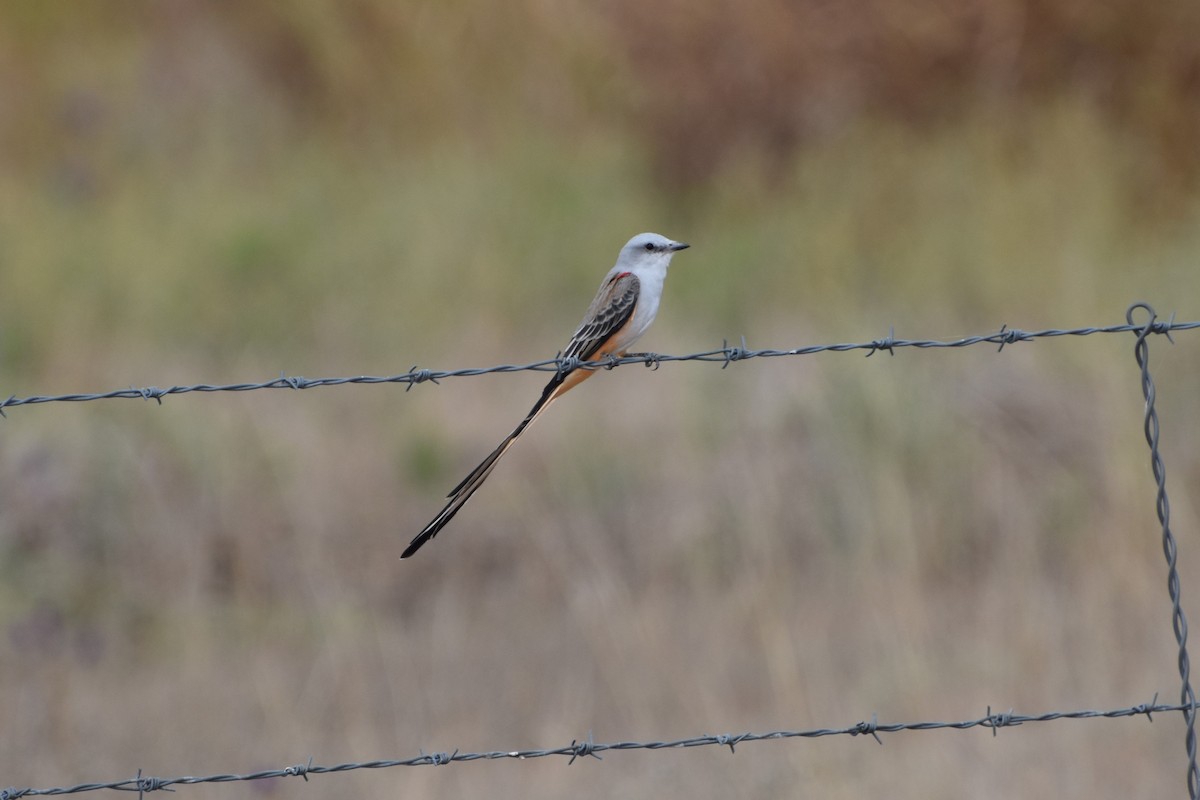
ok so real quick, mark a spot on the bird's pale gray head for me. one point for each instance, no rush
(649, 248)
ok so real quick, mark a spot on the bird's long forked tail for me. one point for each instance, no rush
(460, 494)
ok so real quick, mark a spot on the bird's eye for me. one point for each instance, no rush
(650, 247)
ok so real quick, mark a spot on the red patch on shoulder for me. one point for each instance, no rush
(621, 275)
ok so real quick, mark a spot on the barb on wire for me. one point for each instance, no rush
(1141, 352)
(588, 747)
(725, 355)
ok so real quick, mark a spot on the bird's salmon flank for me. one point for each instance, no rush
(623, 309)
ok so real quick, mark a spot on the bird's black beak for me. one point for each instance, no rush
(677, 246)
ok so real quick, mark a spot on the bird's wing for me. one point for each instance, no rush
(608, 313)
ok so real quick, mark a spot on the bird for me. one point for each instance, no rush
(622, 310)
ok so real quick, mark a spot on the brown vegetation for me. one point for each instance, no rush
(214, 192)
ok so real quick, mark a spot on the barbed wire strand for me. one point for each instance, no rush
(1141, 352)
(725, 355)
(587, 747)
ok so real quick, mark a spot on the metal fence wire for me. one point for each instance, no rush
(725, 356)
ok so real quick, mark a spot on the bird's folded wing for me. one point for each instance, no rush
(608, 313)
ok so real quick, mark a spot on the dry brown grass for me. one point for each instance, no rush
(776, 545)
(214, 586)
(771, 75)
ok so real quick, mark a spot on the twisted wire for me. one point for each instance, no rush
(1141, 352)
(724, 355)
(586, 748)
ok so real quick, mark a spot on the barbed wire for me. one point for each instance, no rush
(588, 747)
(728, 355)
(1141, 352)
(725, 355)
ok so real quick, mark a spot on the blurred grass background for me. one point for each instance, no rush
(202, 192)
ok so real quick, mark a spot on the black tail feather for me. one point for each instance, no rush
(460, 494)
(459, 497)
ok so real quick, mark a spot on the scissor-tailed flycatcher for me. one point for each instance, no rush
(623, 309)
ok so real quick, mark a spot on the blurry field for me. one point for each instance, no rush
(190, 194)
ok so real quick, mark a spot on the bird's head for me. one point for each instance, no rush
(649, 249)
